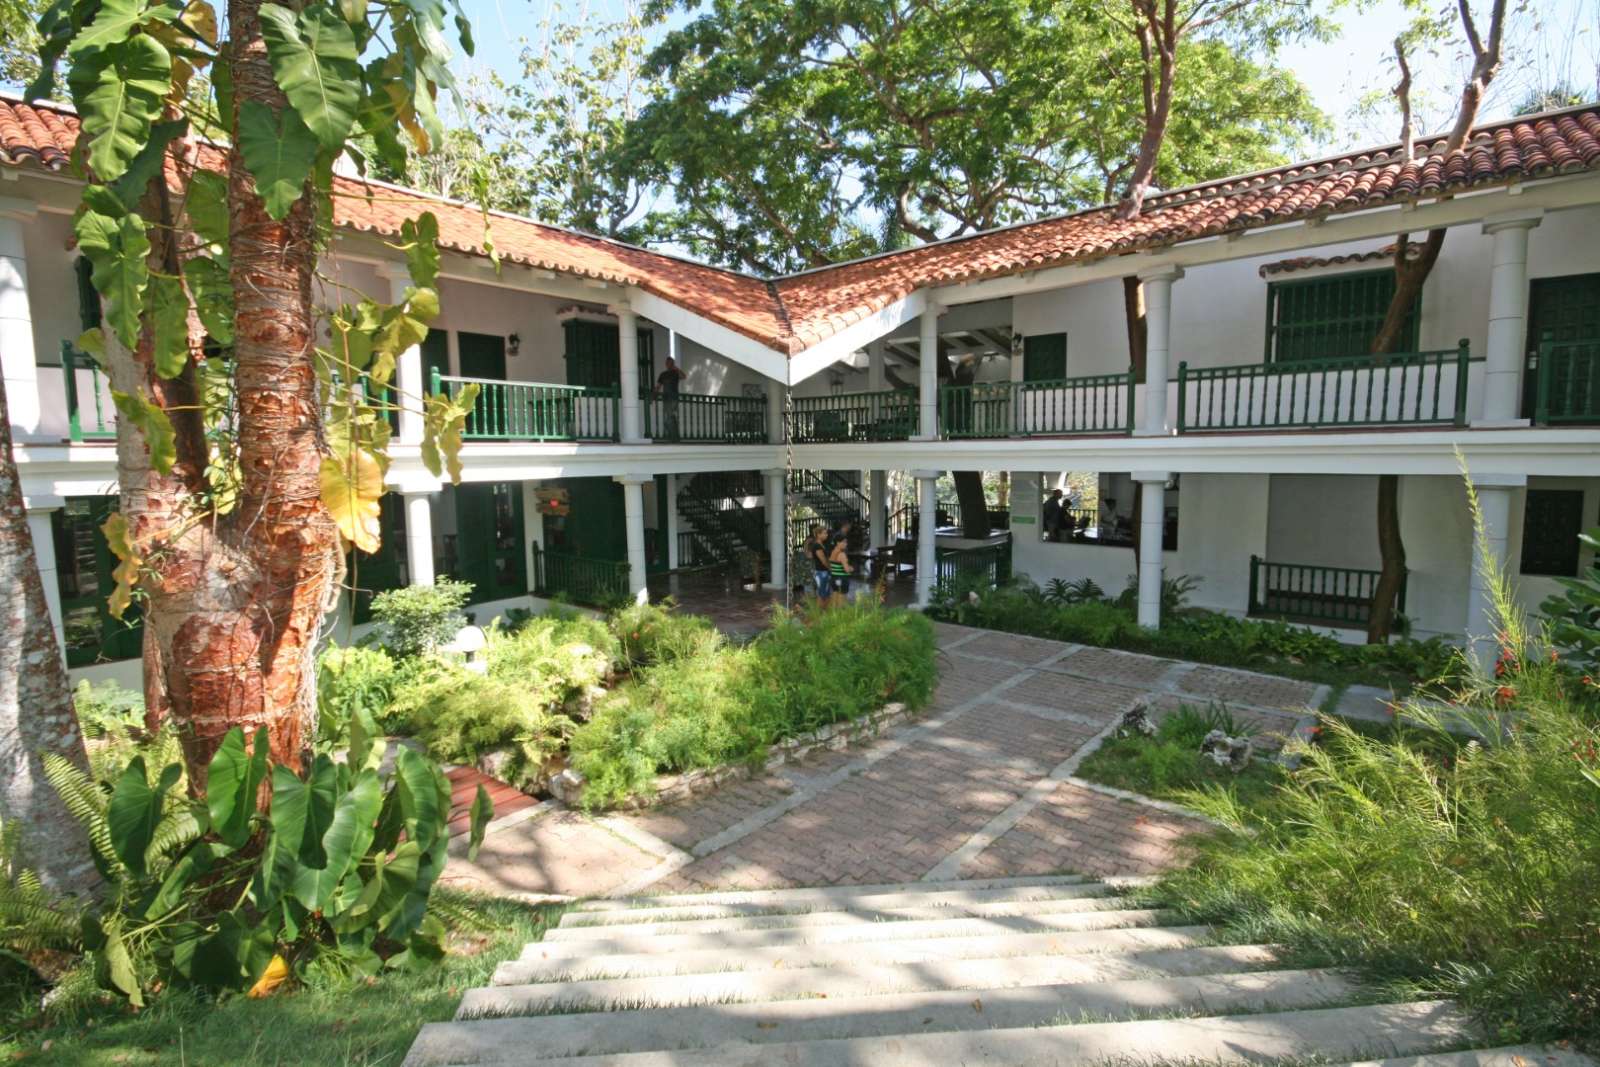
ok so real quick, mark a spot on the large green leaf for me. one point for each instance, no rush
(116, 246)
(416, 782)
(232, 782)
(132, 814)
(443, 420)
(482, 812)
(291, 801)
(168, 308)
(345, 842)
(190, 868)
(420, 240)
(147, 164)
(119, 90)
(151, 420)
(213, 296)
(314, 60)
(322, 786)
(115, 21)
(278, 152)
(207, 206)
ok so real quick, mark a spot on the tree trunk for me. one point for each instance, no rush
(974, 504)
(1392, 549)
(36, 711)
(235, 600)
(1138, 331)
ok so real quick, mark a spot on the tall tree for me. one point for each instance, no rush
(1413, 262)
(36, 711)
(246, 463)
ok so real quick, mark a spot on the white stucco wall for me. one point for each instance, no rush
(1326, 520)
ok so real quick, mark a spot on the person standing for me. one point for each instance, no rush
(667, 389)
(816, 548)
(839, 567)
(1052, 516)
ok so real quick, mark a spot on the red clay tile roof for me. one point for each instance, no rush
(793, 313)
(1294, 263)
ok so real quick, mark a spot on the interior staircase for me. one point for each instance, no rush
(712, 507)
(831, 500)
(1036, 971)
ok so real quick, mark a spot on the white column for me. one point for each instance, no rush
(1157, 347)
(419, 538)
(927, 555)
(775, 412)
(1490, 559)
(1018, 366)
(928, 375)
(777, 496)
(633, 515)
(20, 367)
(628, 375)
(1152, 524)
(875, 377)
(44, 554)
(878, 508)
(672, 522)
(1508, 320)
(410, 385)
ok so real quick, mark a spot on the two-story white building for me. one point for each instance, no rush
(1253, 440)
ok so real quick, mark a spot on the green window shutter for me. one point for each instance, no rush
(1565, 308)
(1333, 317)
(1044, 357)
(1551, 522)
(593, 354)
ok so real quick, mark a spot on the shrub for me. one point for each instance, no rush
(656, 633)
(420, 618)
(1575, 615)
(461, 715)
(107, 709)
(350, 682)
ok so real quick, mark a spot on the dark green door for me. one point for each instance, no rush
(371, 575)
(490, 540)
(483, 356)
(1044, 357)
(1566, 308)
(592, 354)
(83, 573)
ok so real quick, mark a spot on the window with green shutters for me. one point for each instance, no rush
(1044, 357)
(1332, 317)
(592, 355)
(1551, 522)
(83, 576)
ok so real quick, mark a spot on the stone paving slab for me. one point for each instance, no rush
(559, 853)
(1247, 687)
(1110, 665)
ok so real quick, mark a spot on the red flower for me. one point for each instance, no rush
(1505, 695)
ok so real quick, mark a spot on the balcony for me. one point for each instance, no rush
(1093, 404)
(91, 416)
(1401, 389)
(887, 415)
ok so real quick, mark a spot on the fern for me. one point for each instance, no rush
(31, 918)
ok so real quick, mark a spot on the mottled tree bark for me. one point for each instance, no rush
(36, 712)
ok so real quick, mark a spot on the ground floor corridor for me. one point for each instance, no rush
(981, 785)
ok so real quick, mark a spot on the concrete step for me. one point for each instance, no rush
(838, 899)
(1342, 1033)
(539, 965)
(1510, 1056)
(766, 897)
(509, 1041)
(574, 927)
(853, 978)
(859, 933)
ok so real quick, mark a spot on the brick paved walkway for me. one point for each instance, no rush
(982, 785)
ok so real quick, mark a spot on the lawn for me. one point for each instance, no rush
(1170, 765)
(361, 1023)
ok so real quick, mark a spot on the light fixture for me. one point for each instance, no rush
(513, 344)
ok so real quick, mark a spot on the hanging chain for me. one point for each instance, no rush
(788, 474)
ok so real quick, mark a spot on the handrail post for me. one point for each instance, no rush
(1463, 361)
(1183, 392)
(1541, 402)
(1255, 568)
(69, 368)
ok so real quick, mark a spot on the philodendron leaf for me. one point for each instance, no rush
(207, 206)
(115, 21)
(278, 152)
(116, 245)
(443, 420)
(147, 163)
(232, 782)
(314, 61)
(126, 572)
(151, 420)
(132, 814)
(420, 242)
(482, 812)
(344, 843)
(213, 297)
(168, 308)
(352, 487)
(119, 91)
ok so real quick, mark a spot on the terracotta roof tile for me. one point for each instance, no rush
(792, 313)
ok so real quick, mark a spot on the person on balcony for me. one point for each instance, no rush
(667, 390)
(816, 548)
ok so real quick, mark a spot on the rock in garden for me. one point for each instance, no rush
(1231, 752)
(1136, 722)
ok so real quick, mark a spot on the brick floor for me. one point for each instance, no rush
(1104, 664)
(1244, 687)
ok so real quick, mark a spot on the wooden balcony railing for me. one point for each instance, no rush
(1097, 403)
(1399, 389)
(533, 411)
(1567, 377)
(889, 415)
(1337, 596)
(696, 418)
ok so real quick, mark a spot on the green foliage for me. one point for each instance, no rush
(1169, 766)
(107, 709)
(419, 618)
(352, 682)
(1574, 615)
(719, 704)
(314, 61)
(656, 633)
(279, 151)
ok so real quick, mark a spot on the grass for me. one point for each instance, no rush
(1170, 766)
(359, 1024)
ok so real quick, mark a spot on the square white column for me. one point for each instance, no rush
(419, 538)
(1508, 320)
(775, 412)
(777, 499)
(878, 508)
(1152, 527)
(17, 357)
(1490, 559)
(1157, 348)
(928, 374)
(927, 535)
(633, 515)
(628, 375)
(673, 562)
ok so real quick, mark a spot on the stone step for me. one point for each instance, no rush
(859, 933)
(1343, 1033)
(1510, 1056)
(853, 978)
(727, 920)
(836, 899)
(511, 1041)
(763, 897)
(538, 966)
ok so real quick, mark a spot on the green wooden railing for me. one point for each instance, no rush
(533, 411)
(579, 579)
(890, 415)
(99, 424)
(988, 565)
(696, 418)
(1399, 389)
(1338, 596)
(1568, 383)
(1096, 403)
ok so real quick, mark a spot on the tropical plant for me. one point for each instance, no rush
(352, 682)
(1574, 615)
(107, 708)
(417, 619)
(1076, 591)
(244, 480)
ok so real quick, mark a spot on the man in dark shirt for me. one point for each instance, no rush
(1052, 516)
(667, 389)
